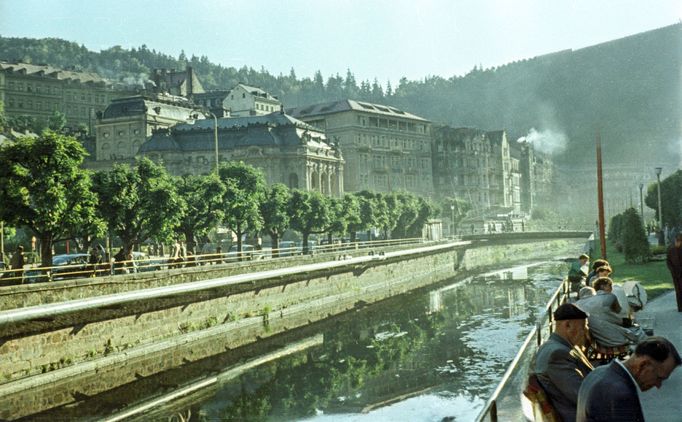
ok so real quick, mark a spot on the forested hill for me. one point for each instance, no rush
(629, 88)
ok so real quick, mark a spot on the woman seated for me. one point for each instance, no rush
(608, 327)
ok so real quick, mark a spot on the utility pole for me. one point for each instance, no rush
(600, 198)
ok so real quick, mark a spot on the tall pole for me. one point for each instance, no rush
(661, 241)
(600, 198)
(641, 203)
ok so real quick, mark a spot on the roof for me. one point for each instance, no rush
(348, 105)
(254, 90)
(138, 105)
(272, 119)
(43, 70)
(274, 129)
(495, 136)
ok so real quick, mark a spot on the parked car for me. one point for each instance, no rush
(248, 253)
(144, 262)
(72, 265)
(288, 248)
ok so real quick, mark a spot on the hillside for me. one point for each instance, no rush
(630, 88)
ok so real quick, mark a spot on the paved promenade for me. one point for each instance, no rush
(665, 405)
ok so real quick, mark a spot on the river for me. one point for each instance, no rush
(435, 354)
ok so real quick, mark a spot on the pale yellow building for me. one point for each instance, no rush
(386, 149)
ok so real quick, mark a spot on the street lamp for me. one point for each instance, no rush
(660, 216)
(641, 203)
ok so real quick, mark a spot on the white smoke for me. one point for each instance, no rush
(546, 141)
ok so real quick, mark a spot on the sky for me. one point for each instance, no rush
(382, 39)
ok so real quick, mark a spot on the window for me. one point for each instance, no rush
(243, 95)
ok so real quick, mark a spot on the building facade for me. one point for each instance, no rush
(244, 100)
(476, 166)
(285, 149)
(127, 122)
(386, 149)
(40, 90)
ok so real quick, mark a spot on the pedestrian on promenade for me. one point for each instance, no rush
(560, 364)
(611, 392)
(578, 272)
(17, 263)
(596, 265)
(674, 262)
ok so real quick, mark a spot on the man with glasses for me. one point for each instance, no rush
(611, 392)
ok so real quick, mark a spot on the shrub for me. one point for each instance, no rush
(633, 238)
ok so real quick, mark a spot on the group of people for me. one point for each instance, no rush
(578, 388)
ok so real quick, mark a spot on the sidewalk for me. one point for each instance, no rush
(665, 405)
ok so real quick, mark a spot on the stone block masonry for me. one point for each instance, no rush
(94, 350)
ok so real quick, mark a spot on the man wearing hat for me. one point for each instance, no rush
(560, 364)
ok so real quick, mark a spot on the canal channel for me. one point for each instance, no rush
(434, 354)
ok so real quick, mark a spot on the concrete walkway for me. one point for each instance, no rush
(664, 405)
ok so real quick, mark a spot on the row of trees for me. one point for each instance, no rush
(44, 188)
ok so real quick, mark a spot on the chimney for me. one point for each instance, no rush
(190, 80)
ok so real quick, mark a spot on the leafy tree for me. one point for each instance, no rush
(274, 212)
(43, 187)
(426, 211)
(634, 239)
(245, 190)
(375, 212)
(671, 204)
(139, 202)
(25, 124)
(3, 117)
(57, 121)
(408, 215)
(359, 214)
(310, 214)
(202, 196)
(338, 223)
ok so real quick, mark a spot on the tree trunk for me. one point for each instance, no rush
(352, 236)
(191, 244)
(305, 242)
(239, 241)
(275, 244)
(329, 238)
(45, 250)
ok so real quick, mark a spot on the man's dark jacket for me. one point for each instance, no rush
(609, 394)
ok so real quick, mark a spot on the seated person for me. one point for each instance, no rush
(578, 272)
(560, 364)
(596, 266)
(606, 323)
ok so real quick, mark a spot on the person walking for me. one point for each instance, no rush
(674, 262)
(611, 392)
(17, 263)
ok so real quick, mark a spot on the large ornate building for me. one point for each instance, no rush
(40, 90)
(386, 149)
(287, 150)
(127, 122)
(476, 166)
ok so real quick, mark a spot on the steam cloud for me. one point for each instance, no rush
(546, 141)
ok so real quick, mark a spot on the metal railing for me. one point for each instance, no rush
(34, 273)
(535, 337)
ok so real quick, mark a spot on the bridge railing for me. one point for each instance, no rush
(78, 266)
(506, 398)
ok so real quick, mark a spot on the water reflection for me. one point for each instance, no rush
(425, 356)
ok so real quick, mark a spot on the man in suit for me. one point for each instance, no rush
(611, 392)
(674, 262)
(560, 364)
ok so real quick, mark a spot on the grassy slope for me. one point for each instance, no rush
(653, 275)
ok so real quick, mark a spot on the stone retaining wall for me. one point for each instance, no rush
(106, 348)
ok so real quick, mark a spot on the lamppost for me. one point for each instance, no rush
(641, 203)
(660, 216)
(452, 227)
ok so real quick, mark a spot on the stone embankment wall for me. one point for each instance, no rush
(97, 349)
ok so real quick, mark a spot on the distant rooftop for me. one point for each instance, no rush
(43, 70)
(347, 105)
